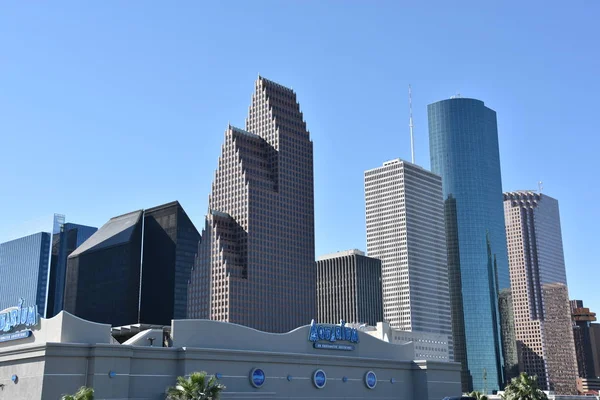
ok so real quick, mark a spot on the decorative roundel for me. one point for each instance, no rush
(14, 378)
(218, 375)
(257, 377)
(393, 380)
(345, 379)
(289, 378)
(370, 379)
(319, 379)
(112, 374)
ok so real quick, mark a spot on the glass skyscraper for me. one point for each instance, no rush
(463, 145)
(66, 237)
(24, 267)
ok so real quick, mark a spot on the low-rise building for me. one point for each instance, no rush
(46, 358)
(427, 346)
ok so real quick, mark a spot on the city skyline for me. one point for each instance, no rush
(129, 104)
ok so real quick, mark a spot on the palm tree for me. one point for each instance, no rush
(524, 387)
(84, 393)
(477, 395)
(199, 386)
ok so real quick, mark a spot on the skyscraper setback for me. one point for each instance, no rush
(542, 312)
(463, 146)
(256, 258)
(405, 230)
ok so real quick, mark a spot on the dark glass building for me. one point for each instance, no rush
(24, 267)
(134, 269)
(463, 144)
(256, 260)
(65, 239)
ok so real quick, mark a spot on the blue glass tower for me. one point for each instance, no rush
(24, 269)
(65, 239)
(463, 145)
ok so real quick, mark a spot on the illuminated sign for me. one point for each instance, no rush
(19, 316)
(320, 379)
(257, 377)
(332, 334)
(370, 379)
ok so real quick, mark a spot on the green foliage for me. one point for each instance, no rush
(84, 393)
(524, 387)
(199, 386)
(477, 395)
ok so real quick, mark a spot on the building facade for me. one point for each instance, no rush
(24, 266)
(427, 346)
(405, 230)
(349, 288)
(586, 336)
(463, 147)
(542, 312)
(134, 269)
(509, 340)
(256, 262)
(61, 354)
(66, 237)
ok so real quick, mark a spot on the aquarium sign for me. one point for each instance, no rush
(331, 335)
(19, 316)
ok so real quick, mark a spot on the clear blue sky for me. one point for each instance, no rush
(112, 106)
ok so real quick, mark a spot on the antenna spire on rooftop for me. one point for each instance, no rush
(410, 125)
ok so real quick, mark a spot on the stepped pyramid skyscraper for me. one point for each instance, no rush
(256, 258)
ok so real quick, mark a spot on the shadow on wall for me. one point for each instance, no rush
(532, 363)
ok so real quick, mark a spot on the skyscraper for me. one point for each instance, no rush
(24, 267)
(405, 230)
(463, 146)
(256, 263)
(542, 312)
(66, 237)
(588, 354)
(349, 288)
(134, 269)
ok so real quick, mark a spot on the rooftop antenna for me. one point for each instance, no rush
(540, 187)
(410, 125)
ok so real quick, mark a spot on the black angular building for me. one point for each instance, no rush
(134, 269)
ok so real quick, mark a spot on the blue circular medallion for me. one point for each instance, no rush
(257, 377)
(218, 375)
(289, 378)
(14, 378)
(345, 379)
(319, 379)
(370, 379)
(112, 374)
(393, 380)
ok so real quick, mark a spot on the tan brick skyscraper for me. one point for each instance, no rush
(540, 297)
(256, 258)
